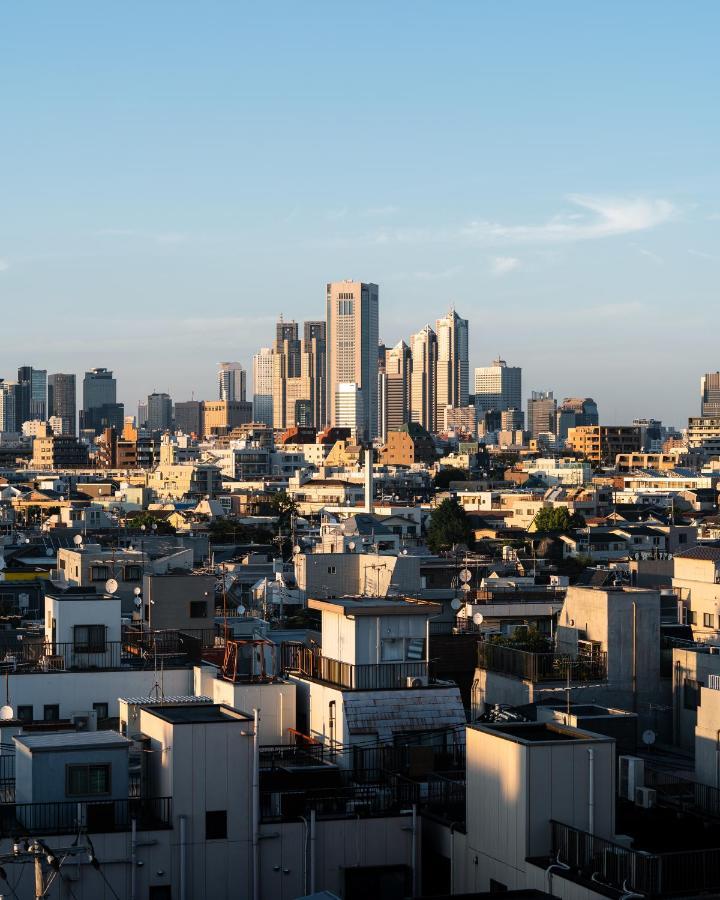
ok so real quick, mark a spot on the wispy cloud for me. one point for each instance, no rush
(4, 265)
(502, 265)
(655, 257)
(702, 255)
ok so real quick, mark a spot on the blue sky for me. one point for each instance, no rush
(174, 175)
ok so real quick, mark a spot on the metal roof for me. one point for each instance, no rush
(72, 740)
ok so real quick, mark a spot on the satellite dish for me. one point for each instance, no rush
(648, 737)
(465, 588)
(138, 601)
(478, 619)
(297, 549)
(77, 540)
(456, 604)
(351, 545)
(241, 610)
(465, 575)
(6, 712)
(137, 591)
(111, 586)
(49, 552)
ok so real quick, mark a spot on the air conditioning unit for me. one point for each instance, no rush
(645, 797)
(85, 721)
(631, 776)
(416, 681)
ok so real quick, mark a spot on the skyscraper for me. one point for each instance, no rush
(62, 401)
(498, 387)
(397, 377)
(23, 395)
(32, 394)
(423, 391)
(352, 348)
(159, 412)
(9, 406)
(541, 413)
(263, 386)
(100, 409)
(710, 394)
(231, 381)
(298, 378)
(452, 363)
(315, 343)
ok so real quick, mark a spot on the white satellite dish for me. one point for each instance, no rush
(6, 712)
(111, 586)
(297, 549)
(351, 545)
(49, 552)
(137, 591)
(478, 618)
(77, 540)
(456, 604)
(465, 575)
(241, 610)
(648, 737)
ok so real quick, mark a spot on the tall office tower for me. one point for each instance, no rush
(452, 363)
(263, 386)
(498, 386)
(382, 393)
(32, 399)
(62, 401)
(159, 412)
(423, 384)
(23, 394)
(231, 381)
(142, 414)
(298, 394)
(710, 394)
(352, 347)
(188, 417)
(9, 391)
(398, 375)
(349, 408)
(541, 413)
(100, 409)
(575, 412)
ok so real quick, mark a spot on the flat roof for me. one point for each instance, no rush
(539, 732)
(72, 740)
(199, 714)
(374, 606)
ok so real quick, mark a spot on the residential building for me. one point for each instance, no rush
(407, 446)
(231, 381)
(703, 435)
(62, 401)
(423, 390)
(352, 346)
(462, 419)
(263, 386)
(58, 451)
(498, 387)
(159, 412)
(452, 365)
(710, 395)
(602, 443)
(541, 413)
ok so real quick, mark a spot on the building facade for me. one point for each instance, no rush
(263, 386)
(62, 400)
(498, 387)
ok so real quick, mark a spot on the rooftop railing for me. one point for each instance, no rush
(97, 816)
(301, 660)
(538, 667)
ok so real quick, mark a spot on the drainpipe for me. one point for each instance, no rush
(255, 809)
(452, 857)
(413, 851)
(717, 759)
(591, 791)
(312, 851)
(634, 657)
(133, 859)
(183, 857)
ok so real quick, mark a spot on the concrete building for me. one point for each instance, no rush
(62, 400)
(498, 387)
(263, 386)
(9, 421)
(100, 408)
(189, 417)
(696, 582)
(398, 368)
(231, 381)
(541, 413)
(221, 416)
(349, 408)
(602, 443)
(574, 412)
(710, 394)
(452, 366)
(423, 391)
(703, 434)
(298, 375)
(52, 452)
(352, 342)
(159, 412)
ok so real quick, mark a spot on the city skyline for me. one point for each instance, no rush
(491, 180)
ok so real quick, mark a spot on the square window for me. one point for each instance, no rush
(89, 638)
(85, 781)
(51, 712)
(708, 620)
(216, 825)
(102, 710)
(198, 609)
(25, 713)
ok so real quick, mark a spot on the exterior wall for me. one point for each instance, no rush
(171, 596)
(707, 738)
(67, 612)
(40, 776)
(694, 667)
(275, 704)
(355, 574)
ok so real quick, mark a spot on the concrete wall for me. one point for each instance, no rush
(275, 704)
(707, 738)
(172, 595)
(40, 777)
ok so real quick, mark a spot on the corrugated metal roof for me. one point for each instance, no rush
(73, 740)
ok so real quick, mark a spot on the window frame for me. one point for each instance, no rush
(93, 643)
(196, 604)
(74, 767)
(215, 832)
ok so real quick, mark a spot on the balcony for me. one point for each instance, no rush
(98, 817)
(298, 659)
(592, 859)
(540, 667)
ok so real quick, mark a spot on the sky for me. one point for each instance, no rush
(174, 175)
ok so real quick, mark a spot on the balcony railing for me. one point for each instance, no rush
(301, 660)
(683, 794)
(537, 667)
(98, 817)
(651, 874)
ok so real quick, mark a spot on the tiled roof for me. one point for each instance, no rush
(712, 554)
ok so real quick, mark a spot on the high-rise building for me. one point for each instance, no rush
(231, 381)
(315, 344)
(710, 394)
(159, 412)
(349, 408)
(498, 386)
(23, 395)
(541, 413)
(263, 386)
(452, 363)
(576, 412)
(352, 347)
(423, 390)
(188, 417)
(398, 377)
(298, 394)
(100, 409)
(62, 401)
(9, 406)
(32, 394)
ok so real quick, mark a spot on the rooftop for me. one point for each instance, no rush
(72, 740)
(199, 714)
(538, 732)
(711, 554)
(374, 606)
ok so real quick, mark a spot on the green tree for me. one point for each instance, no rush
(148, 520)
(284, 507)
(442, 479)
(557, 518)
(448, 526)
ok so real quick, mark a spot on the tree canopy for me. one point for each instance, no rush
(442, 479)
(448, 526)
(557, 518)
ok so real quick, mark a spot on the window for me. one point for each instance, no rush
(691, 617)
(216, 825)
(86, 781)
(132, 573)
(102, 710)
(682, 539)
(25, 713)
(159, 892)
(99, 573)
(708, 620)
(331, 570)
(51, 712)
(198, 609)
(89, 639)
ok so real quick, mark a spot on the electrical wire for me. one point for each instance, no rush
(111, 888)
